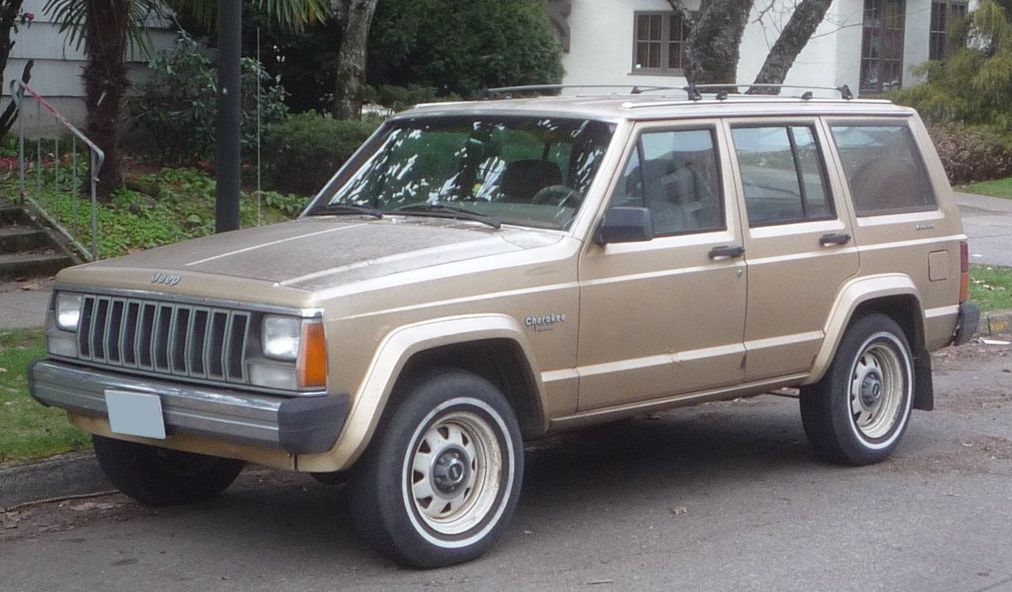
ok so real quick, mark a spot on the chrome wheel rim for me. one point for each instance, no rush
(453, 472)
(877, 390)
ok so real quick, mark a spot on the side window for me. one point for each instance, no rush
(782, 174)
(675, 174)
(884, 169)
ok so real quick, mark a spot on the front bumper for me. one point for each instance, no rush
(966, 326)
(303, 425)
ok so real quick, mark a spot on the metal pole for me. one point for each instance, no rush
(229, 114)
(259, 65)
(94, 207)
(56, 176)
(19, 97)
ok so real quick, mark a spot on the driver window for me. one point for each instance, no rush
(675, 175)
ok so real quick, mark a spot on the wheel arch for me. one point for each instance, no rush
(492, 346)
(896, 296)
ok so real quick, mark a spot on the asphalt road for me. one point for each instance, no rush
(717, 497)
(987, 221)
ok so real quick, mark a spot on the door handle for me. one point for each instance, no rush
(834, 239)
(726, 252)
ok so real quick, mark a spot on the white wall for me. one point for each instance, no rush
(601, 50)
(57, 70)
(602, 43)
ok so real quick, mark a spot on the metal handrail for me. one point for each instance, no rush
(18, 90)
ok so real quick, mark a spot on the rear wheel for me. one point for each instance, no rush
(443, 473)
(159, 476)
(858, 412)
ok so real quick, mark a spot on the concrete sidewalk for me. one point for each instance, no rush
(23, 304)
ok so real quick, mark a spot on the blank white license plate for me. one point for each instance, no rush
(135, 414)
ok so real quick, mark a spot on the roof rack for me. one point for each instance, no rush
(694, 92)
(634, 89)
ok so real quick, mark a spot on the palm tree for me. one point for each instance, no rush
(105, 27)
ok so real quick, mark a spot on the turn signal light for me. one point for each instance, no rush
(312, 364)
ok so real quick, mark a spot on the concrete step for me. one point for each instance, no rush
(18, 239)
(11, 215)
(33, 264)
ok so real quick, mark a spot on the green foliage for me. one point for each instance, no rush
(463, 47)
(71, 16)
(29, 430)
(991, 287)
(973, 85)
(174, 205)
(399, 98)
(177, 106)
(972, 153)
(290, 14)
(308, 148)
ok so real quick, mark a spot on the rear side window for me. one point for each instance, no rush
(782, 174)
(884, 168)
(676, 176)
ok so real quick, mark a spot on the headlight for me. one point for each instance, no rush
(281, 337)
(68, 310)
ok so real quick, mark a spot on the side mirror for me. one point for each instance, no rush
(625, 225)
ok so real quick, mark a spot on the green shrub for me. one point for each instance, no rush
(177, 106)
(399, 98)
(308, 148)
(972, 153)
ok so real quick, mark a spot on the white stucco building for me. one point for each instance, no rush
(57, 70)
(869, 45)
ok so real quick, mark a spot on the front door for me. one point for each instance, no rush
(665, 317)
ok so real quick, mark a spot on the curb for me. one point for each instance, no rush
(67, 475)
(993, 323)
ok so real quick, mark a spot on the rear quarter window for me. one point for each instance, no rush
(884, 168)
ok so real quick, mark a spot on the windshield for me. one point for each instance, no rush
(530, 171)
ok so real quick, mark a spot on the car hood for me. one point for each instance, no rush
(319, 252)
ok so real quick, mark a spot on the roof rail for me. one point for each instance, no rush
(634, 89)
(694, 92)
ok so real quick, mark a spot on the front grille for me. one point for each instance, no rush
(173, 339)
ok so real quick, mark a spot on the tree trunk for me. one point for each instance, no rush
(351, 59)
(794, 37)
(105, 80)
(713, 44)
(10, 11)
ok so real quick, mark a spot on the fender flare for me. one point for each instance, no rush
(854, 294)
(387, 364)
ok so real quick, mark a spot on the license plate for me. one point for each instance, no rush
(135, 414)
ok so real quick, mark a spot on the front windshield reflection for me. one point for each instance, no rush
(531, 171)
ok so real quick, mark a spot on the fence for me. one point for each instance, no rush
(53, 179)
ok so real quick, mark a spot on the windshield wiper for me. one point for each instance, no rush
(339, 208)
(449, 212)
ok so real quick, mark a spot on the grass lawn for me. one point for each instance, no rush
(29, 430)
(991, 287)
(995, 188)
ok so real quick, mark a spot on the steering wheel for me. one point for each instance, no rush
(557, 195)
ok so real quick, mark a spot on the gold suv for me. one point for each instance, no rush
(484, 273)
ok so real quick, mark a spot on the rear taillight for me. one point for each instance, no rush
(964, 272)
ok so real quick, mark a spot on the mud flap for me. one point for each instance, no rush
(924, 389)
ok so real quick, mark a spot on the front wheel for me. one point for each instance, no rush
(443, 473)
(858, 412)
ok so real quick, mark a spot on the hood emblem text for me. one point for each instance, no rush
(166, 279)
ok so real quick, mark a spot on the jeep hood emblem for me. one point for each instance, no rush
(166, 279)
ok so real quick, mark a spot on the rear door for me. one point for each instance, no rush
(665, 316)
(798, 240)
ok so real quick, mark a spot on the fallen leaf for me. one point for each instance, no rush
(679, 510)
